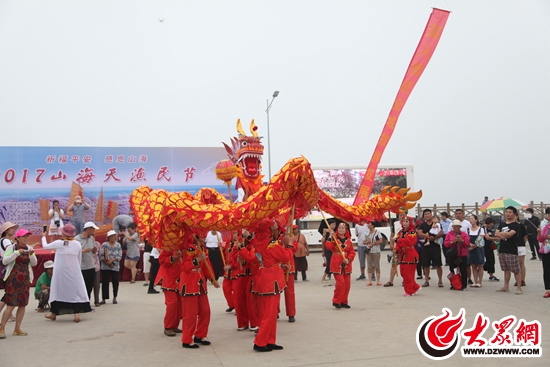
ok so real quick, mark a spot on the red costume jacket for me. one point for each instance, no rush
(229, 249)
(336, 262)
(406, 253)
(248, 254)
(169, 272)
(192, 277)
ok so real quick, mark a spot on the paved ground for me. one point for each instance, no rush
(379, 329)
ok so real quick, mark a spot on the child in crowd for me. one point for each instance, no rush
(436, 228)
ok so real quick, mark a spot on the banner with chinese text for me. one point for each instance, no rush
(421, 57)
(30, 175)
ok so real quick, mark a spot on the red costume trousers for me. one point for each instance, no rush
(290, 297)
(252, 303)
(172, 316)
(341, 288)
(407, 272)
(227, 286)
(196, 317)
(239, 296)
(268, 326)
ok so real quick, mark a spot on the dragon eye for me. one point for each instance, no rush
(244, 143)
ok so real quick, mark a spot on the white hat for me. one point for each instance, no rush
(456, 222)
(48, 264)
(110, 233)
(90, 224)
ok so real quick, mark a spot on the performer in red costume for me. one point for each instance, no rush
(238, 270)
(407, 256)
(194, 297)
(269, 283)
(289, 269)
(340, 267)
(168, 278)
(247, 257)
(229, 277)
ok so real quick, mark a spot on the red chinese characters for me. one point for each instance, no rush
(189, 173)
(85, 176)
(60, 176)
(502, 336)
(163, 174)
(473, 335)
(111, 175)
(138, 175)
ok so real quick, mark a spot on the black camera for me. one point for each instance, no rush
(57, 223)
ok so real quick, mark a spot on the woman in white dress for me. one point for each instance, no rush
(68, 293)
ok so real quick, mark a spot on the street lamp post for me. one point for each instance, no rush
(275, 94)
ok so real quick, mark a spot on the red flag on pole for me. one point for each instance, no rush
(422, 55)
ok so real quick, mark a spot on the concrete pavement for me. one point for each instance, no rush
(379, 329)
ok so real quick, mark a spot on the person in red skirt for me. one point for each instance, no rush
(340, 265)
(195, 307)
(407, 256)
(168, 278)
(269, 282)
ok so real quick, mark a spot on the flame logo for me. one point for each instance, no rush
(438, 337)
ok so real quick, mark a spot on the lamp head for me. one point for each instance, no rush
(275, 94)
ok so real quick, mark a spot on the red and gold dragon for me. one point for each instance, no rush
(246, 153)
(166, 218)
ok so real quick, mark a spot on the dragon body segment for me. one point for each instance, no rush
(167, 218)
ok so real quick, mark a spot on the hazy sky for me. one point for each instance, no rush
(109, 73)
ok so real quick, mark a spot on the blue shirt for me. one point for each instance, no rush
(446, 225)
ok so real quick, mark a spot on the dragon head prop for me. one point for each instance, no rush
(247, 153)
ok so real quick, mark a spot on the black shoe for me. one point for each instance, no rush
(274, 346)
(419, 277)
(534, 258)
(152, 291)
(343, 305)
(290, 319)
(230, 309)
(470, 281)
(190, 346)
(262, 349)
(337, 305)
(202, 341)
(102, 302)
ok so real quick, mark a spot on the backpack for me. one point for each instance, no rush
(2, 266)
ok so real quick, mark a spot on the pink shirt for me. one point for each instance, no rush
(462, 249)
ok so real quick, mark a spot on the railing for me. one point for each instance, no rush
(475, 209)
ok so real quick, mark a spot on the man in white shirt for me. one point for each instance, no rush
(213, 240)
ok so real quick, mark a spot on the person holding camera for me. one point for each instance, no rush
(56, 215)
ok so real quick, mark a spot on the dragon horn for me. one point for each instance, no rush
(385, 190)
(394, 189)
(253, 129)
(414, 196)
(240, 128)
(409, 206)
(403, 191)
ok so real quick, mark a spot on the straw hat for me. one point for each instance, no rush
(8, 225)
(48, 264)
